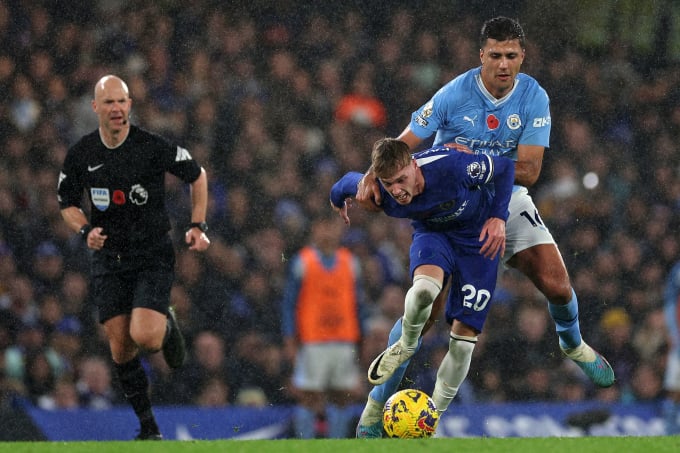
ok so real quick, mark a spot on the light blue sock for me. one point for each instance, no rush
(381, 393)
(338, 419)
(566, 322)
(671, 412)
(304, 423)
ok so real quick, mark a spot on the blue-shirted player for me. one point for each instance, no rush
(458, 203)
(496, 110)
(671, 405)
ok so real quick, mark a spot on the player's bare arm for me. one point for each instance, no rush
(528, 164)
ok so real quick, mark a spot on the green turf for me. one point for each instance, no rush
(659, 444)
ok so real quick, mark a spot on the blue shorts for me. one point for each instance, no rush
(473, 276)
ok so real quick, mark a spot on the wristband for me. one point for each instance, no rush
(200, 225)
(85, 230)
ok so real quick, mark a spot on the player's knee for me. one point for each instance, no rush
(425, 290)
(558, 291)
(555, 286)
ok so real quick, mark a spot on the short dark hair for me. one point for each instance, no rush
(501, 29)
(389, 155)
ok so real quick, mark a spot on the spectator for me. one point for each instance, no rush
(207, 365)
(322, 312)
(94, 384)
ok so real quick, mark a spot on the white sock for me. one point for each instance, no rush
(417, 308)
(581, 353)
(453, 370)
(372, 412)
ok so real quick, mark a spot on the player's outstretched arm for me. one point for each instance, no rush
(342, 193)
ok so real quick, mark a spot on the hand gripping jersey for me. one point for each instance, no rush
(464, 112)
(461, 191)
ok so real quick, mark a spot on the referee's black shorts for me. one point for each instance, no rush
(121, 282)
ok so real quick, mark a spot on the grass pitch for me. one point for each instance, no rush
(658, 444)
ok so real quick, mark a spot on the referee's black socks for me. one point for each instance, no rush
(135, 385)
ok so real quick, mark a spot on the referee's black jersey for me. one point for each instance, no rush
(125, 186)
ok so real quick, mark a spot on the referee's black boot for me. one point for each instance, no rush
(149, 435)
(174, 349)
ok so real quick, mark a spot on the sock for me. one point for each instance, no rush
(304, 423)
(671, 414)
(373, 411)
(417, 308)
(453, 370)
(135, 385)
(566, 322)
(338, 419)
(381, 393)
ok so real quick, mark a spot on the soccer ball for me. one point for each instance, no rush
(410, 414)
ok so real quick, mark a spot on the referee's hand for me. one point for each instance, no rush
(196, 239)
(96, 238)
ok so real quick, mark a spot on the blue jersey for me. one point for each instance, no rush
(464, 112)
(461, 192)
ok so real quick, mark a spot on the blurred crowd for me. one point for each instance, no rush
(277, 100)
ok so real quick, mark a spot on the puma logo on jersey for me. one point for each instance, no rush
(471, 120)
(95, 168)
(182, 154)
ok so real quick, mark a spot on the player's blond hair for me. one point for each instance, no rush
(389, 156)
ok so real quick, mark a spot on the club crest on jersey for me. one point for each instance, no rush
(514, 121)
(139, 195)
(100, 198)
(492, 122)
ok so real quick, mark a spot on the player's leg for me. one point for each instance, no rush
(344, 379)
(671, 403)
(532, 250)
(370, 421)
(473, 282)
(455, 366)
(427, 284)
(312, 366)
(306, 414)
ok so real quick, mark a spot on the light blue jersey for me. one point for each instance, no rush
(464, 112)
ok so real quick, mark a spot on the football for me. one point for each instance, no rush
(410, 414)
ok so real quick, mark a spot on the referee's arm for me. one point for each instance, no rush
(199, 197)
(74, 218)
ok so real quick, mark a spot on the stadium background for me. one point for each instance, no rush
(252, 90)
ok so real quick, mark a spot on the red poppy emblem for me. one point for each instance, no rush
(118, 197)
(492, 122)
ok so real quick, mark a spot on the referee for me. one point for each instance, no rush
(122, 169)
